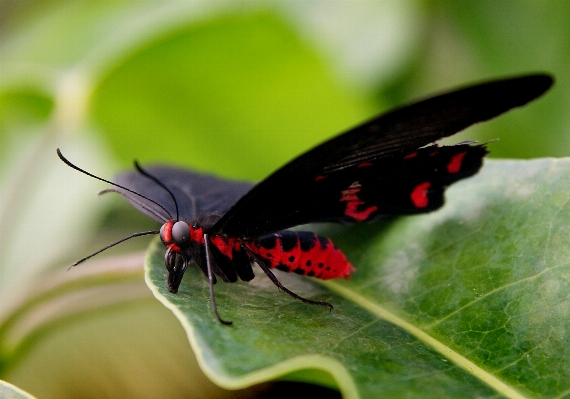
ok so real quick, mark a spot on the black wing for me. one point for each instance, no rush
(380, 168)
(195, 193)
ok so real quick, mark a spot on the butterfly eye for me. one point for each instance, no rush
(162, 233)
(181, 233)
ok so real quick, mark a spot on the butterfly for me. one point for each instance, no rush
(388, 166)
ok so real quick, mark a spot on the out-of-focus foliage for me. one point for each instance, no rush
(9, 391)
(235, 88)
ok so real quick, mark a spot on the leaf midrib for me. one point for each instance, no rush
(453, 356)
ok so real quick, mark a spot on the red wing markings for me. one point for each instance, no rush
(419, 195)
(306, 253)
(353, 202)
(454, 165)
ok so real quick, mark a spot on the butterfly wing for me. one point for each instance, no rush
(380, 168)
(195, 193)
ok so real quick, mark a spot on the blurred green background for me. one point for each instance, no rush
(231, 87)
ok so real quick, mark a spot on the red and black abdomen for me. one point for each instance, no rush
(301, 252)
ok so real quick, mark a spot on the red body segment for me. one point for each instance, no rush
(224, 245)
(304, 253)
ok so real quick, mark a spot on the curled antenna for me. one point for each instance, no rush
(161, 184)
(130, 197)
(68, 163)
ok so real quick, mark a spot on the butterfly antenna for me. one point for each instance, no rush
(134, 200)
(161, 184)
(68, 163)
(142, 233)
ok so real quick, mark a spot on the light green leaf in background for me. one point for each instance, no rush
(469, 301)
(241, 81)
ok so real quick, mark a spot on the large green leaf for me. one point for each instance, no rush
(469, 301)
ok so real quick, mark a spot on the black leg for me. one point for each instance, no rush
(272, 277)
(211, 282)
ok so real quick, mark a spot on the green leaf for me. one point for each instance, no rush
(242, 81)
(469, 301)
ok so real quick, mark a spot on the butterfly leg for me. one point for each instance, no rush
(211, 283)
(275, 281)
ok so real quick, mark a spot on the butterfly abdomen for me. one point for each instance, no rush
(303, 253)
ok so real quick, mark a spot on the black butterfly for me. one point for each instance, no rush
(388, 166)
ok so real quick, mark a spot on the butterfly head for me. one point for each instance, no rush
(177, 237)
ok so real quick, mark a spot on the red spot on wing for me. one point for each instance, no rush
(320, 177)
(360, 215)
(454, 165)
(353, 202)
(419, 195)
(350, 194)
(411, 155)
(364, 164)
(433, 153)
